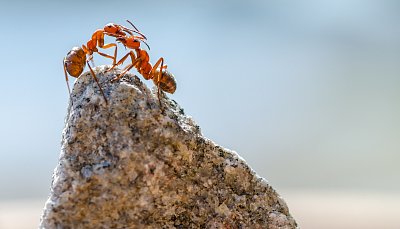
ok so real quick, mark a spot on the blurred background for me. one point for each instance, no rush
(307, 92)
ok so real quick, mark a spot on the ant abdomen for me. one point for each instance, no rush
(75, 61)
(166, 82)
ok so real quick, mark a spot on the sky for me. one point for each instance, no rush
(307, 92)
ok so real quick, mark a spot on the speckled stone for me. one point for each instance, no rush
(129, 164)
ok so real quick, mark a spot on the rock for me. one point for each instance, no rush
(130, 164)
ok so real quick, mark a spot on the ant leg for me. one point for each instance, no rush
(161, 60)
(126, 69)
(158, 96)
(66, 80)
(106, 55)
(154, 69)
(129, 67)
(114, 60)
(159, 79)
(106, 46)
(109, 45)
(122, 60)
(97, 81)
(98, 38)
(115, 55)
(90, 58)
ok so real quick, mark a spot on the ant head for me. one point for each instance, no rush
(114, 29)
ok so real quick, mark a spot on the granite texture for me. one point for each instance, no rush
(130, 164)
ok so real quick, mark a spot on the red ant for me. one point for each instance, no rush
(75, 61)
(141, 61)
(113, 30)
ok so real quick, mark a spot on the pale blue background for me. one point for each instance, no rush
(308, 92)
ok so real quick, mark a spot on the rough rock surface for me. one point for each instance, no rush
(130, 165)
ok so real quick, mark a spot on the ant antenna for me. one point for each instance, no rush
(146, 44)
(130, 33)
(66, 80)
(132, 25)
(136, 29)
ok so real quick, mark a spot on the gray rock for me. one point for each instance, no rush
(130, 164)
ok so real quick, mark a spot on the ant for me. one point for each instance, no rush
(75, 61)
(164, 80)
(113, 30)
